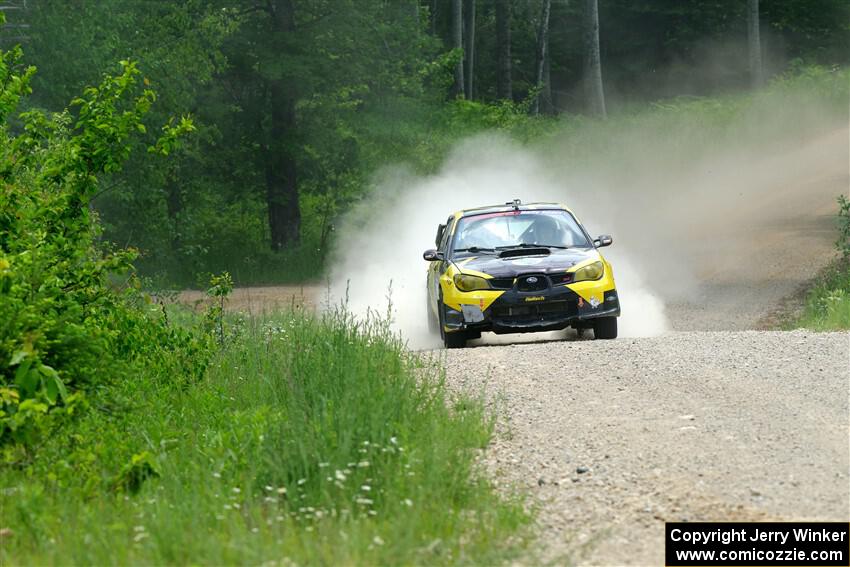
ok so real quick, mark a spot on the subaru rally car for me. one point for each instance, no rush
(518, 268)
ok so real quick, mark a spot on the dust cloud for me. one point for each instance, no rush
(380, 259)
(682, 197)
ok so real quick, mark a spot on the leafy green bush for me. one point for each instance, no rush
(827, 307)
(843, 242)
(64, 297)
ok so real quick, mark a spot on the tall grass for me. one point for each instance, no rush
(827, 306)
(310, 441)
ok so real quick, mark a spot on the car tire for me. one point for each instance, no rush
(450, 340)
(433, 324)
(454, 340)
(605, 328)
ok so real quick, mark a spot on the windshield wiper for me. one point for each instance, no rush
(474, 249)
(526, 245)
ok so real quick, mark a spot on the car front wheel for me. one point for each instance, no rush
(450, 340)
(605, 328)
(433, 324)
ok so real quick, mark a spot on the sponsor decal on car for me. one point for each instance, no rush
(535, 298)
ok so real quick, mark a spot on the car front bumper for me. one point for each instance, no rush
(523, 312)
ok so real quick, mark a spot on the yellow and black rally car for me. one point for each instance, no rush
(518, 268)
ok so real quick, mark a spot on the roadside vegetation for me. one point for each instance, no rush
(827, 306)
(307, 441)
(136, 432)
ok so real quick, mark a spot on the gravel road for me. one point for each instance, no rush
(615, 438)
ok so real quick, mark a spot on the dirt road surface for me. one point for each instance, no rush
(613, 439)
(717, 420)
(262, 299)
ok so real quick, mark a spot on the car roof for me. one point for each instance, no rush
(516, 206)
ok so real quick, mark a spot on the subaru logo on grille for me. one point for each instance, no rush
(532, 279)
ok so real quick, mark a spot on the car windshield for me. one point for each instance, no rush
(548, 228)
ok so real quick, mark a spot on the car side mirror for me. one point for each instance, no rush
(432, 255)
(603, 240)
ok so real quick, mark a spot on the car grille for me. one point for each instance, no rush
(524, 285)
(532, 282)
(558, 307)
(502, 283)
(560, 278)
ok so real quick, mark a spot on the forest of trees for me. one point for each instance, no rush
(296, 103)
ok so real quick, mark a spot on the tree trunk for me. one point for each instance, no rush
(547, 103)
(281, 180)
(504, 88)
(541, 54)
(592, 60)
(174, 205)
(457, 43)
(754, 42)
(469, 45)
(433, 16)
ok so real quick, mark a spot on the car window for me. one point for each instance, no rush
(514, 228)
(447, 233)
(439, 238)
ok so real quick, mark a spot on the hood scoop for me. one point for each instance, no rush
(526, 251)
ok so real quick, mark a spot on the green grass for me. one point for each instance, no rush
(309, 441)
(827, 306)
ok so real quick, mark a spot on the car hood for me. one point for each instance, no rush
(557, 261)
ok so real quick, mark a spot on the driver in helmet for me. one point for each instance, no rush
(544, 231)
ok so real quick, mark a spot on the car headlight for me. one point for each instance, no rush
(465, 282)
(590, 272)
